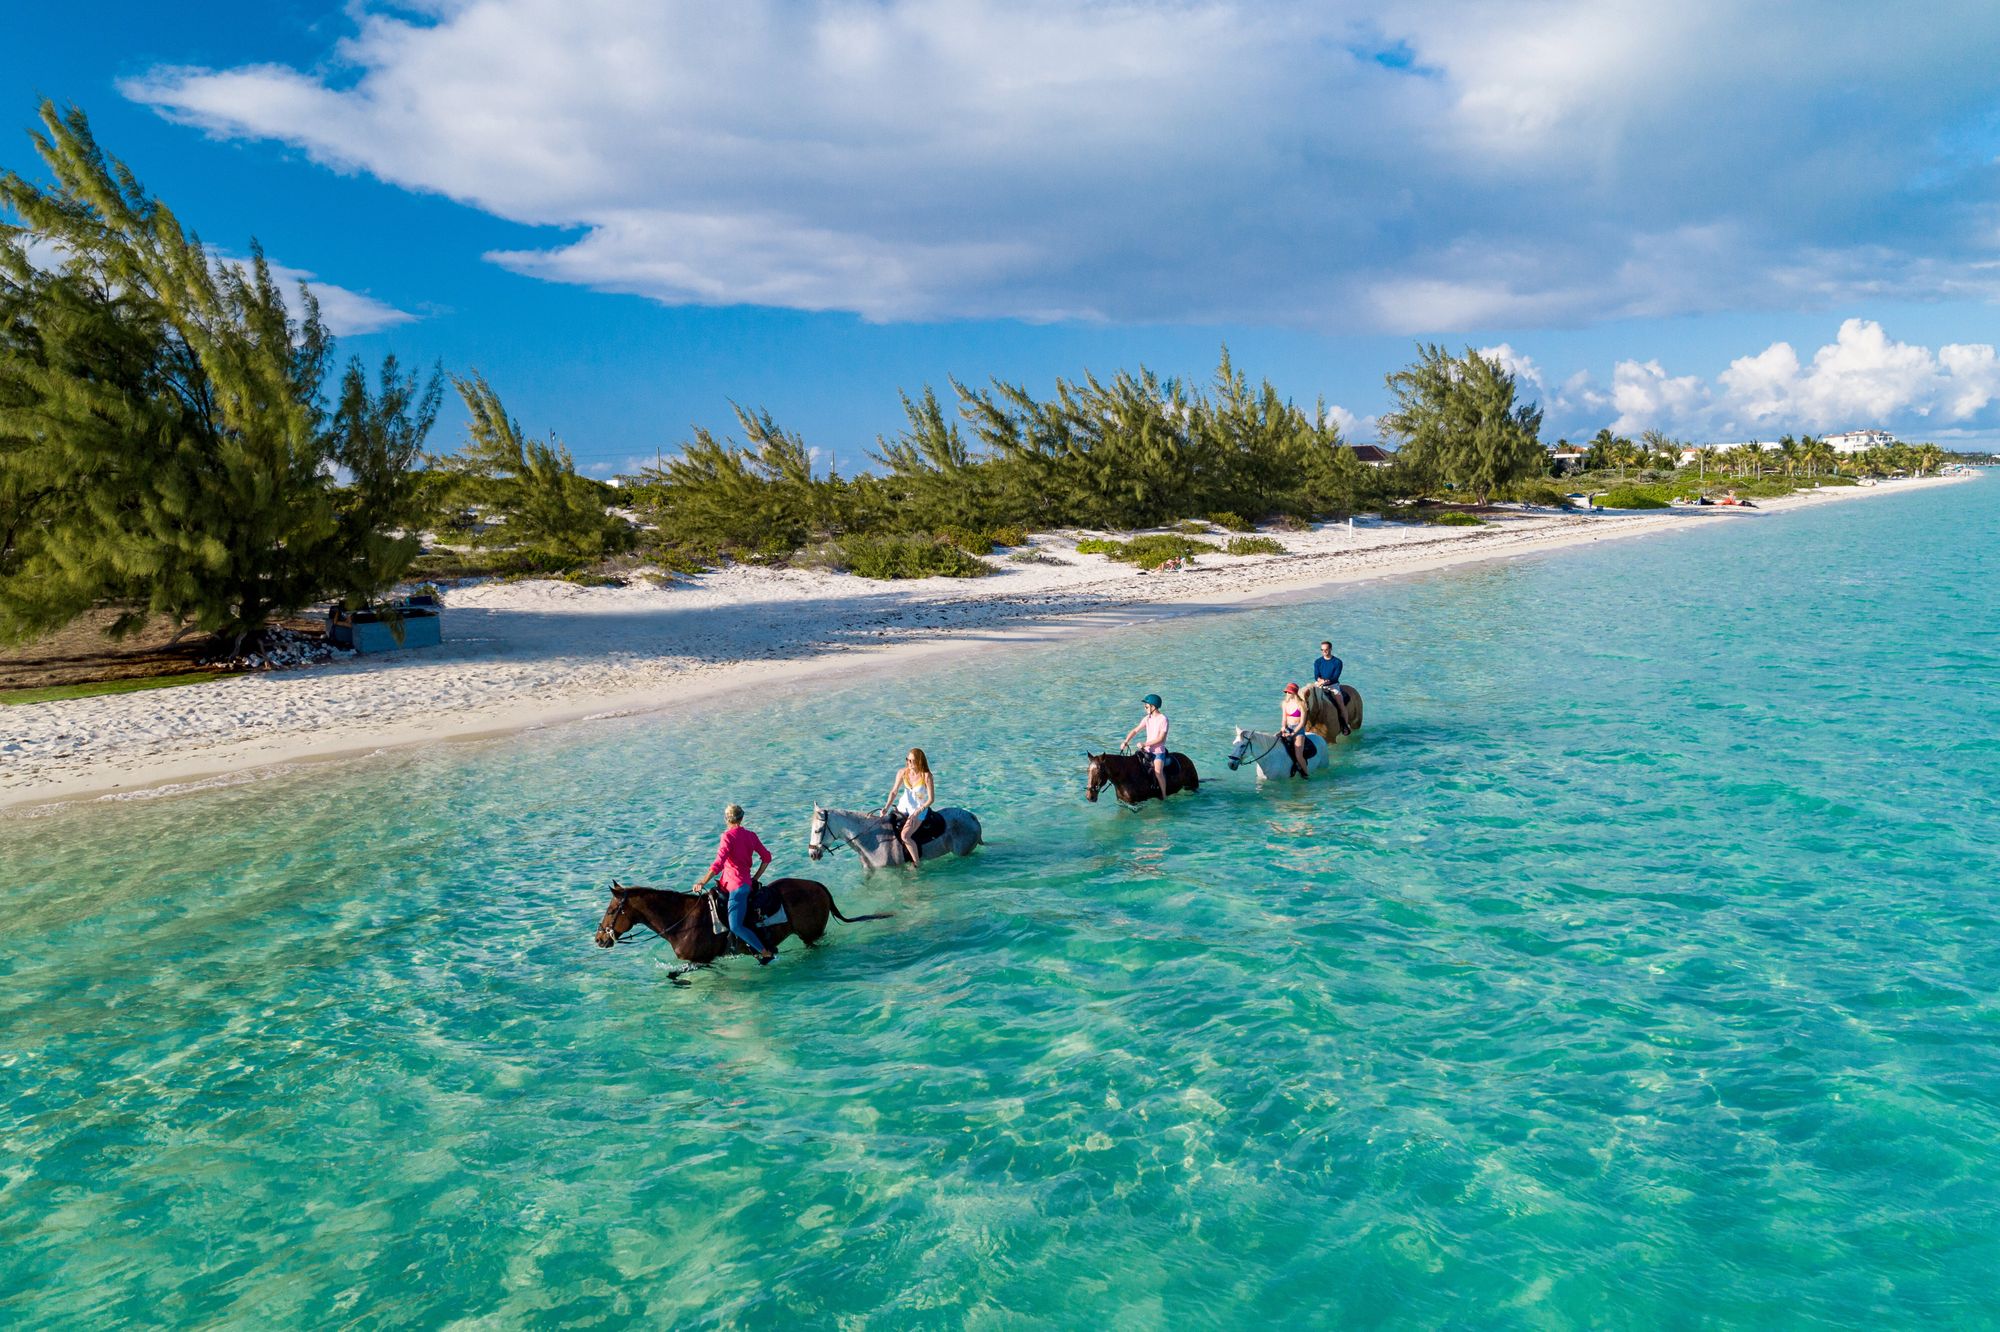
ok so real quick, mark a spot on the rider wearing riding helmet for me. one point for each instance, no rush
(912, 794)
(732, 862)
(1154, 724)
(1292, 729)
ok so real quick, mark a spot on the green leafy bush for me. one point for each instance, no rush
(966, 539)
(1455, 518)
(909, 557)
(1253, 546)
(1232, 522)
(1009, 536)
(1148, 552)
(684, 557)
(828, 555)
(1631, 497)
(1189, 527)
(1539, 493)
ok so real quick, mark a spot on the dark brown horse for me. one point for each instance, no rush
(682, 919)
(1132, 776)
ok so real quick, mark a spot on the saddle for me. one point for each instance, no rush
(767, 907)
(928, 831)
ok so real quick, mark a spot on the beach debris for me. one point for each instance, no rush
(279, 650)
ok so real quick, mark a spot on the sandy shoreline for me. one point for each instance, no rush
(524, 655)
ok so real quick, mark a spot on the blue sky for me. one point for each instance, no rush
(1719, 220)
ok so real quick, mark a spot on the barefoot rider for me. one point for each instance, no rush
(1154, 724)
(911, 795)
(1292, 729)
(732, 862)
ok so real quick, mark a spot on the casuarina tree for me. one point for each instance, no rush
(1459, 424)
(163, 449)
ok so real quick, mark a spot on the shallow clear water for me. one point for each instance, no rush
(1636, 969)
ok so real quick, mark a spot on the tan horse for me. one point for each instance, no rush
(1321, 719)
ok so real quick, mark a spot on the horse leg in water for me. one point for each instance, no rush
(1160, 773)
(1294, 746)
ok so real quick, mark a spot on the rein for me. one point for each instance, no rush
(847, 837)
(1271, 749)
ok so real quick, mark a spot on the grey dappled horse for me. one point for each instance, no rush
(1268, 755)
(867, 831)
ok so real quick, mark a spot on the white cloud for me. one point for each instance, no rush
(1354, 429)
(1643, 394)
(1537, 162)
(1519, 364)
(1863, 378)
(344, 311)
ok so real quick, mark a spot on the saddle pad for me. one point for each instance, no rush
(767, 905)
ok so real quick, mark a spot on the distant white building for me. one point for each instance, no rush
(1859, 441)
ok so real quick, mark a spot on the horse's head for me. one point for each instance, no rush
(816, 839)
(1098, 776)
(618, 917)
(1239, 749)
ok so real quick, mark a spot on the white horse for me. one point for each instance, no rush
(1271, 760)
(868, 832)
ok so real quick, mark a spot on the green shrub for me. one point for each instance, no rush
(1455, 518)
(966, 539)
(1253, 546)
(1034, 557)
(828, 555)
(1099, 546)
(909, 557)
(1539, 493)
(1009, 536)
(1631, 497)
(1232, 522)
(1189, 527)
(1148, 552)
(684, 557)
(593, 580)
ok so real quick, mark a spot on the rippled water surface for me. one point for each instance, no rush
(1636, 968)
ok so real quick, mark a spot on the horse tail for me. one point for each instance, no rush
(834, 907)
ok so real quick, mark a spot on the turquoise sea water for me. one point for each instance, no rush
(1636, 969)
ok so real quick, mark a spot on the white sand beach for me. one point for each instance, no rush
(534, 653)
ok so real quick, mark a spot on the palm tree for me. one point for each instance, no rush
(1927, 457)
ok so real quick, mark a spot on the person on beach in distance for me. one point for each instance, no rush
(1154, 724)
(732, 862)
(911, 795)
(1292, 729)
(1326, 675)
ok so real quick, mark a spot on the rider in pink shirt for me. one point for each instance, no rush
(732, 862)
(1154, 724)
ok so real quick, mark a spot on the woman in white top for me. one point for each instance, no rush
(912, 795)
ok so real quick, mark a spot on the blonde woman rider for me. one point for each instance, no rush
(1292, 729)
(911, 795)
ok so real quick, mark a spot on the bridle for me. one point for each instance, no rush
(1236, 759)
(622, 920)
(816, 840)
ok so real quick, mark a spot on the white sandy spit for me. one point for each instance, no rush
(526, 654)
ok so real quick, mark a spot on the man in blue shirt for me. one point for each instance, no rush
(1326, 674)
